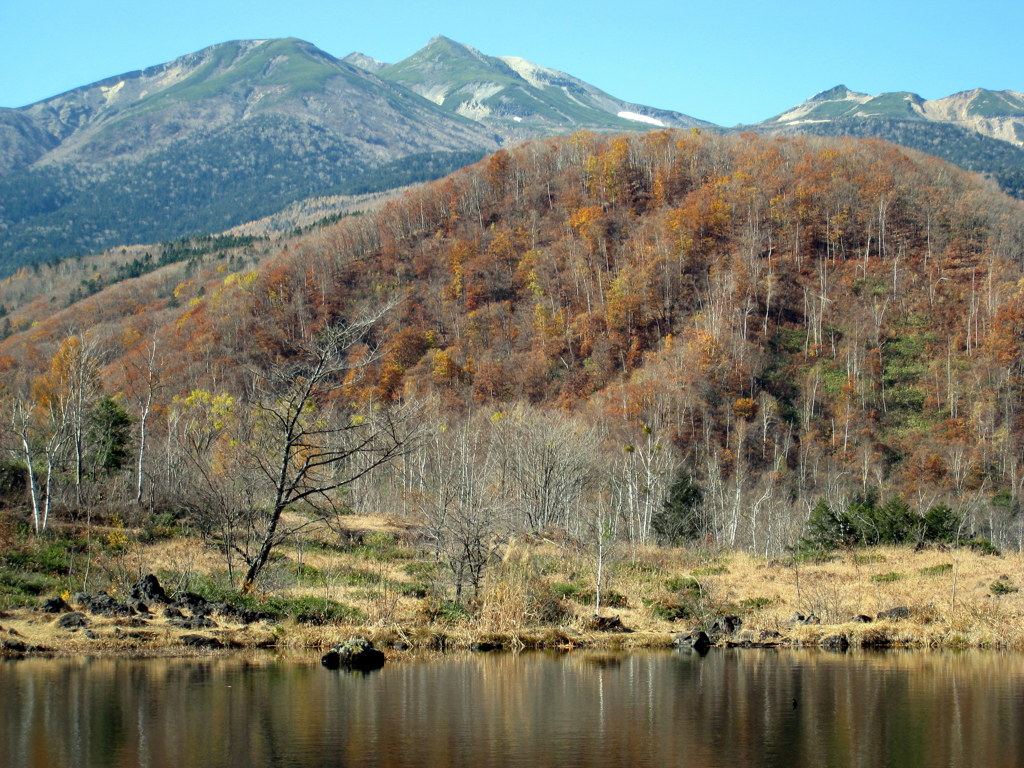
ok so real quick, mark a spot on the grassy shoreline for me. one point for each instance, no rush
(539, 594)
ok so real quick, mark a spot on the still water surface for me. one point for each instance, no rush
(729, 708)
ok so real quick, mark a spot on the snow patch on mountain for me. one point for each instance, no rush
(637, 117)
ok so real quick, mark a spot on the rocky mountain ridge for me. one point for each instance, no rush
(996, 114)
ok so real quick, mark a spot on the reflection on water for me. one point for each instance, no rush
(730, 708)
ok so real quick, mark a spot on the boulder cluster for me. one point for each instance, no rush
(147, 600)
(356, 653)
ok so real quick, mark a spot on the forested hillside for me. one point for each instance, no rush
(663, 336)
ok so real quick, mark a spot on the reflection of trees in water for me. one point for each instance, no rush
(792, 708)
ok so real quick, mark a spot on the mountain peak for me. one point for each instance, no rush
(364, 62)
(835, 93)
(517, 97)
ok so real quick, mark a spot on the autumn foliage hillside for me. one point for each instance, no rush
(784, 320)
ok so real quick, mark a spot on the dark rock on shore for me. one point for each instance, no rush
(103, 604)
(898, 613)
(606, 624)
(799, 618)
(148, 588)
(195, 604)
(73, 620)
(357, 654)
(55, 605)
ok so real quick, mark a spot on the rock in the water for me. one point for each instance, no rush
(201, 641)
(73, 620)
(835, 643)
(695, 640)
(485, 647)
(895, 614)
(17, 647)
(55, 605)
(148, 588)
(357, 653)
(13, 646)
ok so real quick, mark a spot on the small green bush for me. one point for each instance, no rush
(381, 546)
(982, 546)
(446, 612)
(670, 610)
(936, 570)
(683, 584)
(314, 610)
(21, 584)
(586, 595)
(756, 603)
(1003, 587)
(887, 577)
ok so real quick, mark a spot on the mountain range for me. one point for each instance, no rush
(242, 129)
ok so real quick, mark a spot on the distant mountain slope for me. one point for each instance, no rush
(979, 130)
(517, 97)
(215, 138)
(996, 114)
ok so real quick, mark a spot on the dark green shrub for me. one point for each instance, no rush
(681, 516)
(683, 584)
(1003, 587)
(313, 610)
(982, 546)
(671, 610)
(941, 524)
(867, 522)
(827, 529)
(586, 595)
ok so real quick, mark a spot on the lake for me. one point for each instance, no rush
(728, 708)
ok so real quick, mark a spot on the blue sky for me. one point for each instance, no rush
(732, 62)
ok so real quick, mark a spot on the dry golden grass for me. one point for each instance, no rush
(530, 597)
